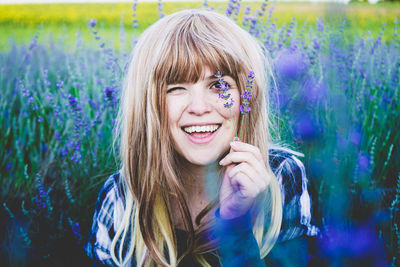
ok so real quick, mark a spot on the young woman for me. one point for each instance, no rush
(186, 194)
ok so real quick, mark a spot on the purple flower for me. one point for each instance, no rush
(40, 204)
(229, 104)
(76, 230)
(363, 161)
(247, 95)
(57, 134)
(244, 109)
(42, 200)
(290, 65)
(42, 193)
(224, 96)
(247, 10)
(92, 23)
(354, 244)
(306, 128)
(355, 137)
(109, 92)
(135, 23)
(320, 25)
(224, 87)
(72, 101)
(63, 152)
(316, 44)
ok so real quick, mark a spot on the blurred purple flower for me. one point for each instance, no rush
(109, 93)
(305, 127)
(320, 25)
(77, 85)
(40, 203)
(351, 245)
(57, 134)
(92, 23)
(316, 44)
(76, 230)
(355, 137)
(363, 161)
(64, 152)
(135, 23)
(73, 101)
(228, 12)
(290, 65)
(247, 10)
(313, 92)
(76, 156)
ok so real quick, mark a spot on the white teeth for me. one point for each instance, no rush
(201, 129)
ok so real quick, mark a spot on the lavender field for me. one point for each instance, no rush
(335, 99)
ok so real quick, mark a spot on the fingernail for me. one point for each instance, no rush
(221, 161)
(233, 143)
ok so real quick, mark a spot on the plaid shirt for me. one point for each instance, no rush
(287, 168)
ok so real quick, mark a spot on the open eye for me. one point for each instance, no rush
(219, 86)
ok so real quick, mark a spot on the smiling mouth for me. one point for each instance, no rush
(201, 130)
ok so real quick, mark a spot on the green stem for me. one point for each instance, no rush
(241, 126)
(234, 125)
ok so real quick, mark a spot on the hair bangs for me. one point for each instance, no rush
(191, 51)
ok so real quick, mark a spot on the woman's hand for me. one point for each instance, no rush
(246, 176)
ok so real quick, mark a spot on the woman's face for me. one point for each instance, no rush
(200, 126)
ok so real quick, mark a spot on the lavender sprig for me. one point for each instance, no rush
(224, 87)
(246, 97)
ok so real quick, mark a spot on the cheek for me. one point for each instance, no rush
(172, 113)
(234, 110)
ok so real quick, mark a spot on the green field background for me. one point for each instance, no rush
(65, 21)
(335, 99)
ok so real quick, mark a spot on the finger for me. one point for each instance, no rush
(260, 179)
(246, 188)
(238, 146)
(239, 157)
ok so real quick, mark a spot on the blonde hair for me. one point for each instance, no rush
(176, 49)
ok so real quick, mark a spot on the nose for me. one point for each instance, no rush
(200, 103)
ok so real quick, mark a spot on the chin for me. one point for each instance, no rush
(201, 161)
(205, 157)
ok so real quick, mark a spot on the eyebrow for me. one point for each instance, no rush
(212, 77)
